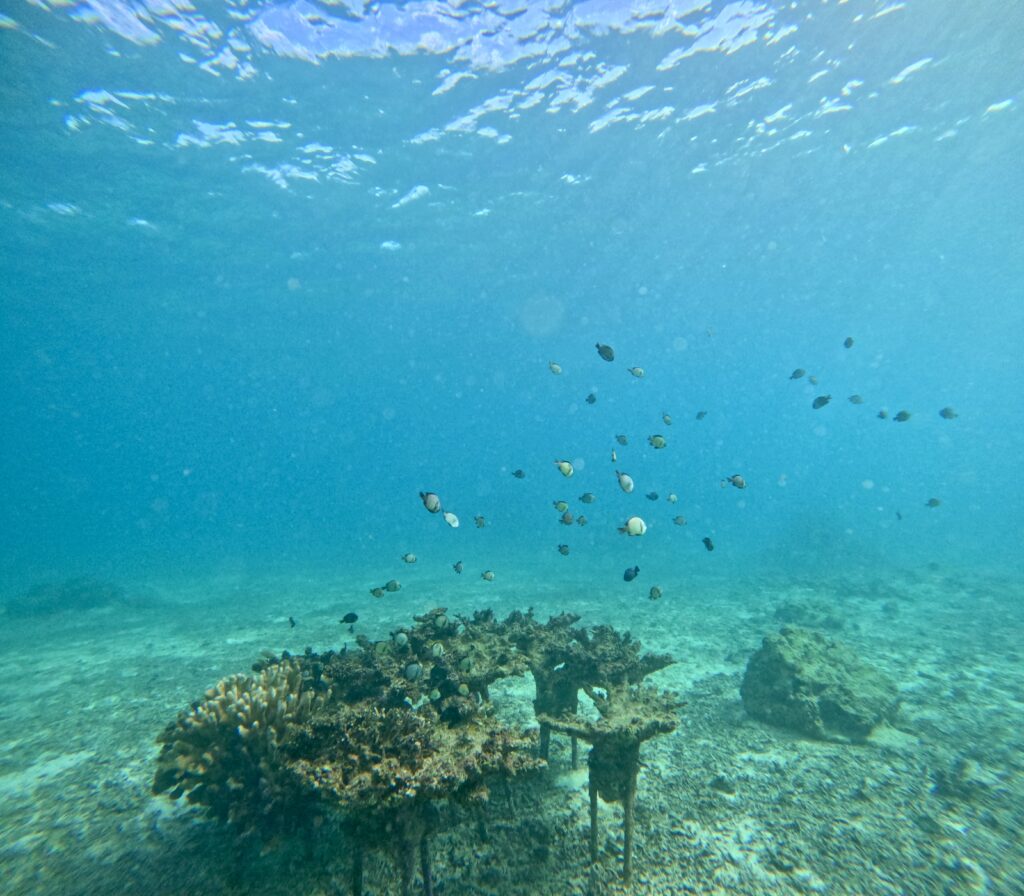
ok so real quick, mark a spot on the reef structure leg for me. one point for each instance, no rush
(411, 831)
(593, 821)
(575, 753)
(428, 881)
(545, 742)
(614, 768)
(357, 871)
(628, 805)
(407, 869)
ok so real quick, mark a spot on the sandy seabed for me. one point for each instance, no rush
(932, 804)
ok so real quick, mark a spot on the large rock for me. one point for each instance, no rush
(803, 681)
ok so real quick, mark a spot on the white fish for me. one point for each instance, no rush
(451, 519)
(634, 526)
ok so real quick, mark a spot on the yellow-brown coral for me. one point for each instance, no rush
(221, 754)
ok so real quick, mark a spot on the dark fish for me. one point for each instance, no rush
(631, 573)
(932, 502)
(679, 520)
(899, 515)
(457, 566)
(605, 351)
(883, 415)
(392, 585)
(622, 440)
(591, 398)
(701, 415)
(581, 520)
(796, 374)
(813, 380)
(566, 518)
(519, 474)
(902, 417)
(377, 592)
(349, 618)
(855, 399)
(708, 543)
(480, 522)
(848, 342)
(821, 401)
(735, 480)
(588, 497)
(652, 496)
(655, 593)
(948, 414)
(292, 622)
(563, 549)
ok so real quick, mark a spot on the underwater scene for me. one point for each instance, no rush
(511, 448)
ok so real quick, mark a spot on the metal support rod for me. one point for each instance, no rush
(428, 882)
(357, 871)
(628, 806)
(407, 858)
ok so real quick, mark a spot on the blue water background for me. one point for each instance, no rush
(251, 378)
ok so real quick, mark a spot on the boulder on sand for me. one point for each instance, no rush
(805, 682)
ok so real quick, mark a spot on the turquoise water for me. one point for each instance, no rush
(271, 269)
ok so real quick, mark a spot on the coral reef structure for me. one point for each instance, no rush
(383, 737)
(413, 726)
(612, 670)
(553, 655)
(803, 681)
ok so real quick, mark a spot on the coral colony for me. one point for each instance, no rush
(380, 737)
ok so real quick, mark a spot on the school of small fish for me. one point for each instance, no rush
(633, 526)
(901, 416)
